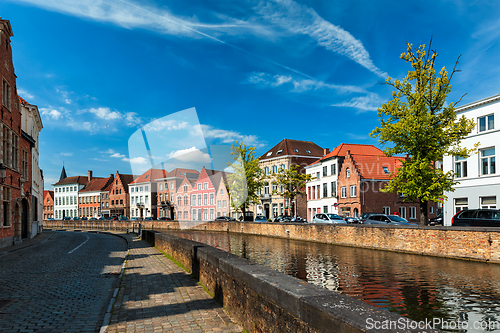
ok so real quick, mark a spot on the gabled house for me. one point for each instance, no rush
(143, 194)
(286, 153)
(203, 204)
(90, 197)
(360, 179)
(48, 204)
(66, 194)
(321, 191)
(119, 204)
(222, 197)
(169, 188)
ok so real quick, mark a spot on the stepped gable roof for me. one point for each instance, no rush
(376, 167)
(354, 148)
(48, 193)
(150, 176)
(97, 184)
(126, 179)
(23, 101)
(81, 180)
(288, 147)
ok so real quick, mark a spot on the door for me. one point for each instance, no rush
(24, 219)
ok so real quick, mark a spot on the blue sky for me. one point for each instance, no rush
(253, 71)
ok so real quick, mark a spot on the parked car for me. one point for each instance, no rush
(50, 219)
(260, 218)
(92, 219)
(350, 219)
(67, 218)
(298, 219)
(163, 218)
(387, 219)
(327, 218)
(477, 218)
(438, 220)
(224, 218)
(364, 216)
(133, 219)
(83, 218)
(123, 218)
(282, 218)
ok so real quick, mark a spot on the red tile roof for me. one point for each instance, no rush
(294, 148)
(180, 173)
(150, 176)
(49, 193)
(97, 184)
(357, 149)
(376, 167)
(22, 101)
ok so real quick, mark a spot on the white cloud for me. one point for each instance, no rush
(300, 19)
(230, 136)
(51, 113)
(370, 102)
(136, 160)
(165, 125)
(298, 85)
(190, 155)
(67, 154)
(105, 113)
(25, 94)
(116, 155)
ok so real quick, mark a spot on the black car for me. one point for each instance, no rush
(438, 220)
(387, 220)
(477, 218)
(224, 218)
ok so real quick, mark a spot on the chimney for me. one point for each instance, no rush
(326, 151)
(89, 178)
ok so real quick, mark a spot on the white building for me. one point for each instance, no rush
(143, 194)
(31, 125)
(66, 195)
(478, 176)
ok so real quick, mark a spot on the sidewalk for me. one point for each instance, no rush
(27, 242)
(156, 295)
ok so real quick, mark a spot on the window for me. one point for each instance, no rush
(160, 186)
(212, 213)
(353, 191)
(186, 200)
(295, 150)
(275, 169)
(131, 190)
(221, 192)
(460, 167)
(224, 204)
(161, 196)
(386, 170)
(266, 171)
(334, 169)
(386, 210)
(431, 210)
(205, 199)
(219, 204)
(402, 212)
(461, 204)
(179, 200)
(25, 169)
(199, 186)
(317, 176)
(6, 95)
(199, 200)
(489, 202)
(343, 192)
(121, 201)
(486, 123)
(279, 151)
(172, 186)
(325, 171)
(205, 214)
(325, 209)
(6, 207)
(6, 145)
(146, 188)
(275, 188)
(269, 154)
(334, 188)
(325, 190)
(112, 202)
(413, 213)
(185, 188)
(193, 199)
(15, 152)
(205, 186)
(487, 161)
(348, 172)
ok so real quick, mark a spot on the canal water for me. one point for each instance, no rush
(456, 295)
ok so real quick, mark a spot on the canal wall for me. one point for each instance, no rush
(264, 300)
(470, 243)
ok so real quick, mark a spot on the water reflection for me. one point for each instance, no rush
(418, 287)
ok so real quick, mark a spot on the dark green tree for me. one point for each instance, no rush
(417, 122)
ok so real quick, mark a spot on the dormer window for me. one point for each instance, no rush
(279, 151)
(386, 170)
(348, 173)
(308, 151)
(295, 150)
(270, 153)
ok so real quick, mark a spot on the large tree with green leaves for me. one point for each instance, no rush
(292, 182)
(246, 179)
(417, 122)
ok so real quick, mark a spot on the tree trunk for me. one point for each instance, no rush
(423, 212)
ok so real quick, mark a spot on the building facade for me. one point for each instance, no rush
(48, 204)
(143, 194)
(322, 194)
(477, 176)
(119, 195)
(282, 156)
(90, 197)
(66, 195)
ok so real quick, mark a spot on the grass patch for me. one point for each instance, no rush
(174, 261)
(206, 289)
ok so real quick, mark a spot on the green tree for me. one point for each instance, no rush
(418, 123)
(292, 183)
(246, 179)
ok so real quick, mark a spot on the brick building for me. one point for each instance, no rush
(359, 182)
(119, 195)
(203, 195)
(90, 197)
(16, 209)
(282, 156)
(48, 205)
(171, 187)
